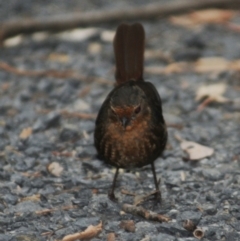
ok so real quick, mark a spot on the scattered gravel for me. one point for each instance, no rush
(37, 205)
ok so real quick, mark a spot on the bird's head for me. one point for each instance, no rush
(128, 106)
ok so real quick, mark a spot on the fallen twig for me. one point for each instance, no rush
(149, 215)
(88, 234)
(79, 115)
(47, 211)
(69, 21)
(205, 103)
(71, 114)
(64, 74)
(36, 73)
(142, 198)
(126, 192)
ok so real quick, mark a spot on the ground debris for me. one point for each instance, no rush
(149, 215)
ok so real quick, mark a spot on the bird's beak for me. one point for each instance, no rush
(125, 122)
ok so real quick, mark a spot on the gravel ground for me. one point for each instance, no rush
(206, 191)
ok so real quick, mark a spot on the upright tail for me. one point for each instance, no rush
(129, 52)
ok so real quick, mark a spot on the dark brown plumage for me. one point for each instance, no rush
(130, 129)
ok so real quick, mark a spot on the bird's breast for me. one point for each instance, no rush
(133, 147)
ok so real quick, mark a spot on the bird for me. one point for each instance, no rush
(130, 131)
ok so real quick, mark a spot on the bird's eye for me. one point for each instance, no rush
(137, 110)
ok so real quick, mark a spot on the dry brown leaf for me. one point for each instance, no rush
(203, 17)
(26, 132)
(183, 21)
(212, 16)
(55, 169)
(202, 65)
(88, 234)
(107, 36)
(234, 27)
(157, 54)
(14, 41)
(177, 67)
(212, 64)
(94, 48)
(128, 225)
(111, 237)
(235, 65)
(5, 86)
(33, 198)
(213, 92)
(196, 151)
(57, 57)
(77, 34)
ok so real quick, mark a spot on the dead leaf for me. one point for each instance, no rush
(212, 16)
(111, 237)
(55, 169)
(176, 67)
(157, 54)
(94, 48)
(33, 198)
(234, 27)
(196, 151)
(77, 35)
(26, 132)
(4, 87)
(88, 234)
(235, 65)
(107, 36)
(211, 64)
(128, 225)
(183, 21)
(14, 41)
(212, 93)
(197, 18)
(57, 57)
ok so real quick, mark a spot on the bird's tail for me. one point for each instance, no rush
(129, 52)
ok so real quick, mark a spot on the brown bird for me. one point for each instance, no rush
(130, 128)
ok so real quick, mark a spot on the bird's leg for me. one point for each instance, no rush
(111, 191)
(158, 192)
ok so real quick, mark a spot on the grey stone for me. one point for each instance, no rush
(84, 222)
(5, 237)
(11, 199)
(163, 236)
(189, 215)
(37, 183)
(212, 174)
(27, 206)
(210, 209)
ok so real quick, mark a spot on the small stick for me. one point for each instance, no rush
(149, 215)
(126, 192)
(86, 116)
(47, 211)
(205, 103)
(52, 73)
(141, 198)
(70, 21)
